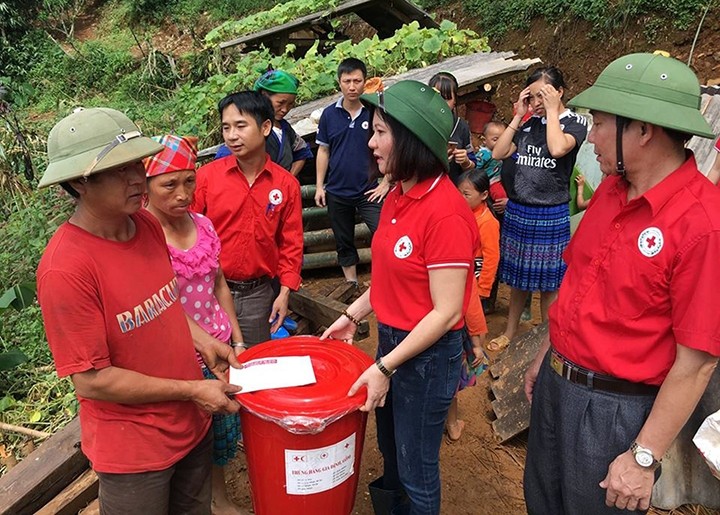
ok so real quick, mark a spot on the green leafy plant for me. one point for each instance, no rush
(410, 47)
(281, 13)
(17, 297)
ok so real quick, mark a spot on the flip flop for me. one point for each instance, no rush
(498, 343)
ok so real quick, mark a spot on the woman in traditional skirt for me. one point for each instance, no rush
(536, 228)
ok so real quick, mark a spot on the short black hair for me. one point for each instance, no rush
(478, 178)
(349, 65)
(446, 84)
(71, 191)
(410, 157)
(251, 103)
(549, 74)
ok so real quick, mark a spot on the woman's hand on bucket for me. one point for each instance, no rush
(342, 329)
(377, 387)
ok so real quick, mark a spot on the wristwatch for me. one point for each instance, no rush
(644, 456)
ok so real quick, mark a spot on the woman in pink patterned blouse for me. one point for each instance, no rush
(194, 250)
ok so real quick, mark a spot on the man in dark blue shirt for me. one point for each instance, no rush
(343, 159)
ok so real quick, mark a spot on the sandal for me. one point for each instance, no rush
(498, 343)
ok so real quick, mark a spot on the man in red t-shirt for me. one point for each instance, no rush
(634, 333)
(256, 209)
(109, 300)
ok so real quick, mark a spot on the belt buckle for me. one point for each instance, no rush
(557, 364)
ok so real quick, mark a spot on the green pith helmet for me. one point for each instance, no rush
(421, 110)
(93, 140)
(650, 88)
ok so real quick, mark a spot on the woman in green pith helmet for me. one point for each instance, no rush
(421, 282)
(283, 145)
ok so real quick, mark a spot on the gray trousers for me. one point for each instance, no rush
(575, 433)
(182, 488)
(253, 312)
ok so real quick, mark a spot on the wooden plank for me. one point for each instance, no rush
(43, 474)
(92, 509)
(703, 148)
(322, 310)
(75, 497)
(343, 292)
(515, 421)
(510, 405)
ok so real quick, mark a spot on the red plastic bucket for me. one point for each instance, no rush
(304, 444)
(478, 114)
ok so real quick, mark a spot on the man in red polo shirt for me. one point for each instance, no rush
(256, 208)
(634, 334)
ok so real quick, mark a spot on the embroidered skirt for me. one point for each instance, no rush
(532, 241)
(226, 431)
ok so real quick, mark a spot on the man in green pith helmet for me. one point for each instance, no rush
(634, 334)
(115, 325)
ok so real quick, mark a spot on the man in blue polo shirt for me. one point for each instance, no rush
(343, 157)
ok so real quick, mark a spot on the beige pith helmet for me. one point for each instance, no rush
(91, 141)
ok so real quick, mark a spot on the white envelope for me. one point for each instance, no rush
(271, 372)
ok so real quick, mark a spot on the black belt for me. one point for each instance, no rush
(250, 284)
(585, 377)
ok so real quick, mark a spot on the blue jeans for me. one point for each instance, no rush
(410, 425)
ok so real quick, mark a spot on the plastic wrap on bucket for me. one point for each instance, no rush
(304, 443)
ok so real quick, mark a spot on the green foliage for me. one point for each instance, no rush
(18, 297)
(495, 18)
(27, 231)
(183, 11)
(410, 47)
(281, 13)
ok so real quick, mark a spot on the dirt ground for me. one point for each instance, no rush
(479, 476)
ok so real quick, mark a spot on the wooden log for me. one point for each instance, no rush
(75, 497)
(328, 259)
(322, 310)
(41, 476)
(313, 213)
(307, 191)
(324, 239)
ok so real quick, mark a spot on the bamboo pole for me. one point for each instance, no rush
(9, 428)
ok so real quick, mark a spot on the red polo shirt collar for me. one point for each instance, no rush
(661, 193)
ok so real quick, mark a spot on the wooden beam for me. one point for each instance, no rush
(43, 474)
(92, 509)
(322, 310)
(510, 405)
(75, 497)
(343, 292)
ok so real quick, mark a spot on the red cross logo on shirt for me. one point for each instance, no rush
(403, 247)
(650, 242)
(275, 197)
